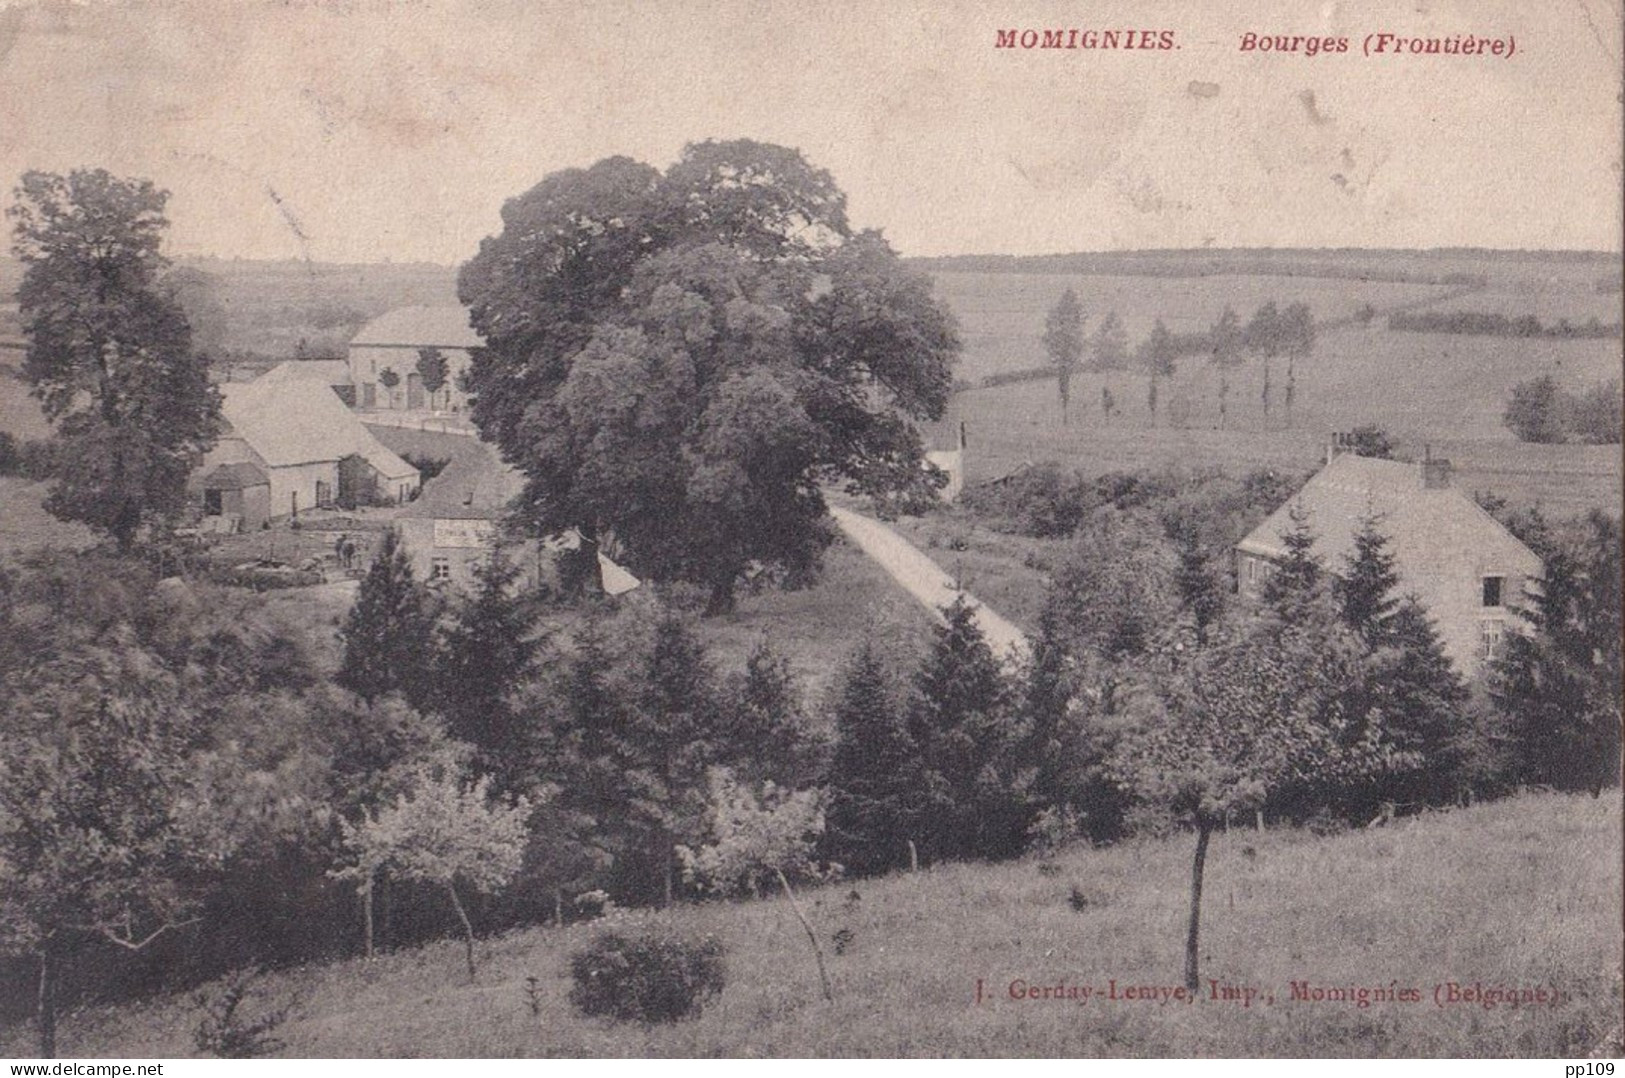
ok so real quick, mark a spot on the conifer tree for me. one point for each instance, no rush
(1423, 702)
(1365, 589)
(1296, 581)
(771, 735)
(876, 781)
(960, 719)
(485, 655)
(387, 635)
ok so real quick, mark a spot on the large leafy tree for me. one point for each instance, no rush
(677, 361)
(109, 350)
(1248, 720)
(1063, 340)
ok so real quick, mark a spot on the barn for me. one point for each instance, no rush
(290, 445)
(391, 348)
(455, 526)
(1470, 573)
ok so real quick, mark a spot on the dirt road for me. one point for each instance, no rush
(925, 579)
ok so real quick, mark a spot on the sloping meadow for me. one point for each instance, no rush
(1490, 931)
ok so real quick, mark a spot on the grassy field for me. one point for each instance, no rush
(25, 525)
(1444, 391)
(1520, 894)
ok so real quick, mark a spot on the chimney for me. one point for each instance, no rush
(1339, 442)
(1435, 470)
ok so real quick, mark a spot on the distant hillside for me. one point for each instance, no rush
(1450, 265)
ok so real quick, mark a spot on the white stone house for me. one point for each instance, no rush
(394, 342)
(1468, 571)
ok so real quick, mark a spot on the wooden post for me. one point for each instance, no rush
(366, 913)
(46, 1007)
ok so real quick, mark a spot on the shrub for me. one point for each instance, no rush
(228, 1033)
(649, 977)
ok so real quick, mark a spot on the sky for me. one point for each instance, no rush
(364, 131)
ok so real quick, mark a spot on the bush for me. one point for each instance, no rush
(228, 1033)
(650, 977)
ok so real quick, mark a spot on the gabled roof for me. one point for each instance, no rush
(1423, 525)
(327, 372)
(419, 327)
(239, 476)
(291, 421)
(474, 486)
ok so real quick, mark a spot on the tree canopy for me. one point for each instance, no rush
(677, 361)
(109, 350)
(1063, 340)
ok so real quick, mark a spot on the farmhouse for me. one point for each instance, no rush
(454, 527)
(391, 348)
(333, 373)
(1468, 571)
(289, 445)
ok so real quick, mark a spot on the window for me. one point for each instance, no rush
(1491, 633)
(1492, 590)
(440, 569)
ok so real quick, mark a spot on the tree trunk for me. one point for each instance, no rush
(812, 937)
(1258, 818)
(722, 598)
(468, 927)
(913, 857)
(666, 881)
(46, 1012)
(558, 907)
(1204, 830)
(387, 936)
(366, 914)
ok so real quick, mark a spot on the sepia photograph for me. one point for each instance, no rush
(740, 529)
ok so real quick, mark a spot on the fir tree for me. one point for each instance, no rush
(1296, 580)
(1561, 685)
(1046, 697)
(485, 655)
(1423, 701)
(771, 735)
(675, 738)
(876, 784)
(960, 721)
(1200, 589)
(1365, 590)
(387, 636)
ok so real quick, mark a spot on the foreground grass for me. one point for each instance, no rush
(1522, 893)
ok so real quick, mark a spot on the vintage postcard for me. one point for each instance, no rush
(728, 528)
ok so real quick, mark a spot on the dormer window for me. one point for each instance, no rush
(1493, 588)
